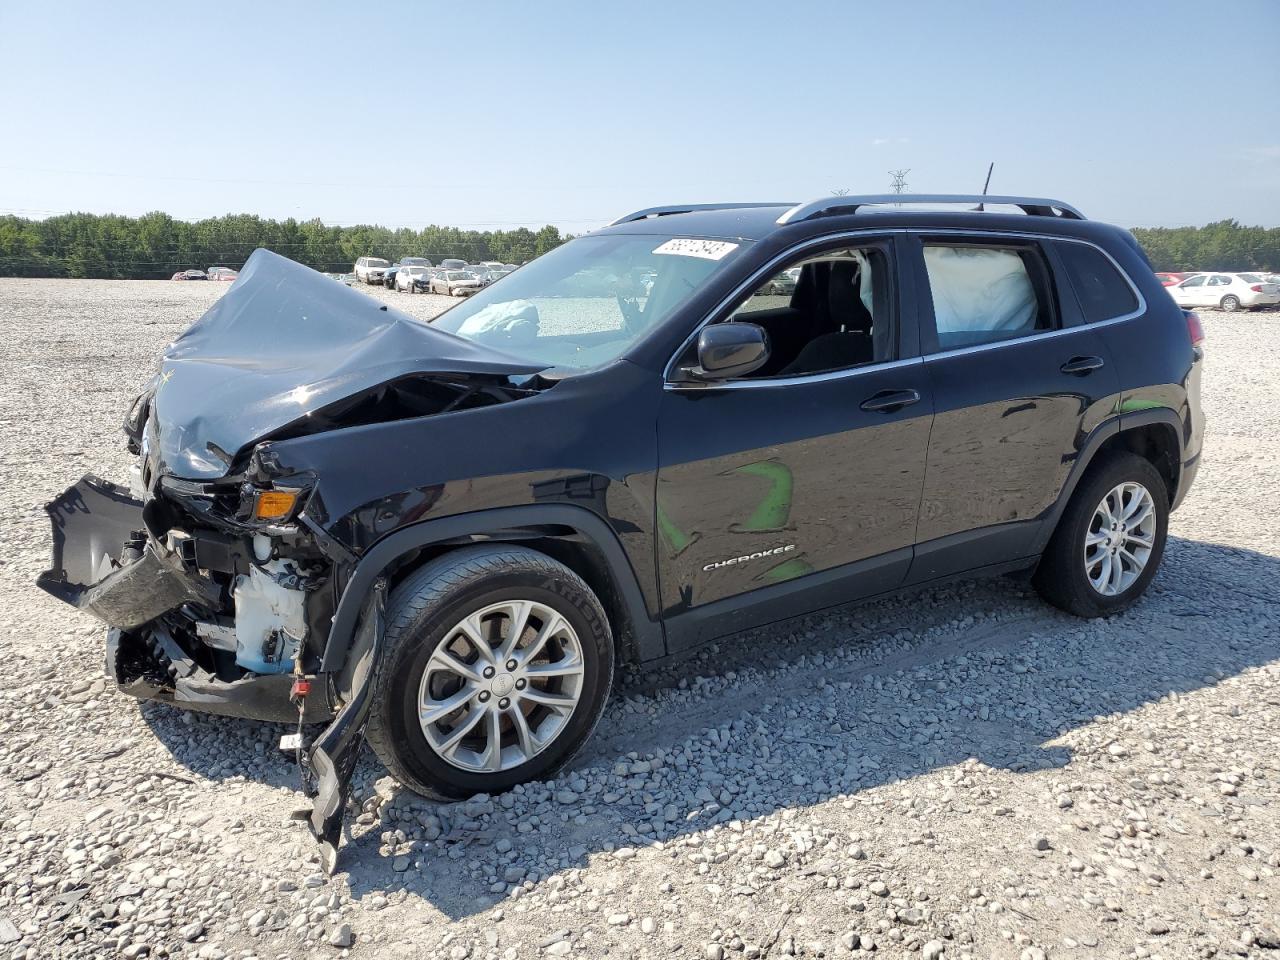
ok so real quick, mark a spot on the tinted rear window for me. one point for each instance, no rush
(1103, 291)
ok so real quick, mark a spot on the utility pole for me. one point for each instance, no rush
(899, 180)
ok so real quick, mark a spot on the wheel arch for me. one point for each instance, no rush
(571, 535)
(1154, 434)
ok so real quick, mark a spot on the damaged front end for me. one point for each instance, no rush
(219, 615)
(202, 615)
(207, 618)
(217, 570)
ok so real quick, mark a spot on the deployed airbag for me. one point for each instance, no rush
(977, 289)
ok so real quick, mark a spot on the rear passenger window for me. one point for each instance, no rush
(987, 294)
(1102, 291)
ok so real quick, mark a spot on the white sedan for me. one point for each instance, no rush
(1226, 291)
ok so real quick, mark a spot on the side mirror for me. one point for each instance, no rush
(728, 350)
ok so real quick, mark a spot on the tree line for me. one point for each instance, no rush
(155, 246)
(1225, 245)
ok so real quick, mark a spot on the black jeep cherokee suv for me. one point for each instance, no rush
(696, 420)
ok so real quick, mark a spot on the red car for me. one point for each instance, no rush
(189, 275)
(225, 274)
(1169, 279)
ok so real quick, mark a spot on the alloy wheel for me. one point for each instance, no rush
(1120, 538)
(500, 686)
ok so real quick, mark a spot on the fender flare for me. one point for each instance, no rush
(1111, 427)
(648, 635)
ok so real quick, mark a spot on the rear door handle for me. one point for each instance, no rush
(1079, 366)
(887, 401)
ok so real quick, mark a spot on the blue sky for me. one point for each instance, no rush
(499, 114)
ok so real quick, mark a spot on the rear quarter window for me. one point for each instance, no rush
(1102, 290)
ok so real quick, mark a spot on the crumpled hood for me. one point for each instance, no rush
(282, 342)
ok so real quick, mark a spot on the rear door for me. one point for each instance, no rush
(1018, 382)
(1219, 286)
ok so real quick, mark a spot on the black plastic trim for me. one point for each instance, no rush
(809, 594)
(958, 553)
(648, 635)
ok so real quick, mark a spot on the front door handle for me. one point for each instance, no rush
(1080, 366)
(887, 401)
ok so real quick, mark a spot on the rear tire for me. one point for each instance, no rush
(1096, 568)
(541, 717)
(1230, 303)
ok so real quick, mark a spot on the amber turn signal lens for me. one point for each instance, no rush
(273, 504)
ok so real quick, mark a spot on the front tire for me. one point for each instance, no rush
(1109, 541)
(497, 666)
(1230, 303)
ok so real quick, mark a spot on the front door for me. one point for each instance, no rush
(797, 487)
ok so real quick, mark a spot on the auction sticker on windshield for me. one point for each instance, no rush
(702, 249)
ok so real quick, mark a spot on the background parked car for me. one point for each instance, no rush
(190, 275)
(412, 279)
(414, 262)
(455, 283)
(389, 275)
(783, 285)
(371, 269)
(453, 264)
(1226, 291)
(225, 274)
(1169, 279)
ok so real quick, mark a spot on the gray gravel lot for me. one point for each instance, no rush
(960, 772)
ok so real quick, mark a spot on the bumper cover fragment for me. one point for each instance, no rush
(334, 755)
(102, 562)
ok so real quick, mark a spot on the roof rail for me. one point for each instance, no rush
(833, 206)
(690, 208)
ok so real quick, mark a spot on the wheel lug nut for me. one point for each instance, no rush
(520, 684)
(511, 665)
(504, 703)
(484, 696)
(488, 672)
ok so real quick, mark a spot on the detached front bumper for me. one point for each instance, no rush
(102, 563)
(105, 563)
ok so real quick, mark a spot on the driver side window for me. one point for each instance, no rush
(829, 311)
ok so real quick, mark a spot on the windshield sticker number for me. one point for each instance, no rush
(702, 249)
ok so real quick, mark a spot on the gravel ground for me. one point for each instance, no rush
(961, 772)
